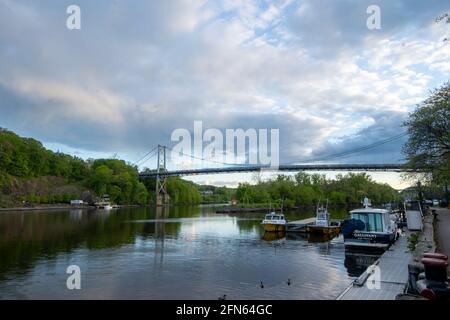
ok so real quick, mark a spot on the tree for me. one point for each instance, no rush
(428, 146)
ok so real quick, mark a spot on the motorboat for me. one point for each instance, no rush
(322, 224)
(369, 228)
(274, 222)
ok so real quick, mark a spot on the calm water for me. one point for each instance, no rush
(176, 253)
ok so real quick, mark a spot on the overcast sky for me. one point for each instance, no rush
(137, 70)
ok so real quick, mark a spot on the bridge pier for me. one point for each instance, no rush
(162, 197)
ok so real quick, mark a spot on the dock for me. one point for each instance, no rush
(393, 266)
(299, 225)
(302, 225)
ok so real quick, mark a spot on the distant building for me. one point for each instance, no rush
(76, 202)
(206, 192)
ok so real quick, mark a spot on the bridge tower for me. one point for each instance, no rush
(162, 196)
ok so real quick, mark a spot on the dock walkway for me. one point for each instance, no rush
(393, 266)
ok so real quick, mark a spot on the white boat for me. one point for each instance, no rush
(369, 228)
(103, 206)
(274, 222)
(104, 203)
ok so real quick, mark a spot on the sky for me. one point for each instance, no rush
(136, 71)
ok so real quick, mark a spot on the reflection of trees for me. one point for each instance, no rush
(248, 225)
(27, 237)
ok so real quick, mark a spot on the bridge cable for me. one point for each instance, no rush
(145, 156)
(356, 150)
(203, 159)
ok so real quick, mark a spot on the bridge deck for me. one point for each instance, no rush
(294, 167)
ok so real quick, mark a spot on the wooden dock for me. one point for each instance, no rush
(393, 266)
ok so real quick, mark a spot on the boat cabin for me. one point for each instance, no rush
(374, 219)
(274, 217)
(322, 218)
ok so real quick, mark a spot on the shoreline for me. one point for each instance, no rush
(59, 207)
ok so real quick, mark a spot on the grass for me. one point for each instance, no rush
(412, 241)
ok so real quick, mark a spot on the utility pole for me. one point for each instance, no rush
(161, 180)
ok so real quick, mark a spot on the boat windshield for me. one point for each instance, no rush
(322, 216)
(373, 220)
(274, 217)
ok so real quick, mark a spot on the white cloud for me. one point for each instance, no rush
(145, 69)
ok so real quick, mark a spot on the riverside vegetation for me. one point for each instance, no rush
(31, 174)
(307, 189)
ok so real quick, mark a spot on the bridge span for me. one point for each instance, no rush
(291, 167)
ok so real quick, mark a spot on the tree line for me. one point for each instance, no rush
(24, 159)
(305, 189)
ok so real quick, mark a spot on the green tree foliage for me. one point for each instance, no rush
(119, 180)
(182, 191)
(428, 147)
(213, 194)
(305, 189)
(179, 190)
(26, 158)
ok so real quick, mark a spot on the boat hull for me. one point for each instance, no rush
(274, 227)
(367, 240)
(324, 230)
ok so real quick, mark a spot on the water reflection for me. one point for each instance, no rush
(175, 252)
(357, 262)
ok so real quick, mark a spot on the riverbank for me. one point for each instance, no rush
(59, 207)
(261, 209)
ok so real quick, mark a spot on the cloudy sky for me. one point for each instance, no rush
(137, 70)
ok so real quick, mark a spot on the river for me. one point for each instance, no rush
(172, 253)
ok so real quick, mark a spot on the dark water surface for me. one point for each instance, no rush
(174, 253)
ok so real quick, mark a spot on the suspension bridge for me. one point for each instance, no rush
(162, 173)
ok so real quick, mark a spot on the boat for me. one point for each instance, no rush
(103, 206)
(369, 228)
(274, 222)
(104, 203)
(322, 224)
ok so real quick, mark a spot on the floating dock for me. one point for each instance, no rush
(302, 225)
(393, 267)
(299, 225)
